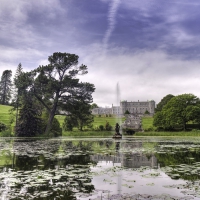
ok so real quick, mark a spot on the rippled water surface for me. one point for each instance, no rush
(100, 168)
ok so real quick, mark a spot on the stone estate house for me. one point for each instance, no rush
(134, 107)
(114, 110)
(139, 107)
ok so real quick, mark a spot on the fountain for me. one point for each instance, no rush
(118, 120)
(118, 117)
(117, 133)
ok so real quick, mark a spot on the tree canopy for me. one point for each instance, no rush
(163, 102)
(178, 111)
(94, 105)
(79, 108)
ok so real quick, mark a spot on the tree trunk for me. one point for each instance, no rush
(184, 126)
(51, 117)
(49, 123)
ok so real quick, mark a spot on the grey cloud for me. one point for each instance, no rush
(142, 76)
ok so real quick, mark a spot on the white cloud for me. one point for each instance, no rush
(111, 20)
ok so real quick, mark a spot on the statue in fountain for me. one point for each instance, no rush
(117, 133)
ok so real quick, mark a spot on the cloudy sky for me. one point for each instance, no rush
(150, 47)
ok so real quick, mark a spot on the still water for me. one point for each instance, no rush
(100, 168)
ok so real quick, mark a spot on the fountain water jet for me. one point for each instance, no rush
(118, 120)
(118, 116)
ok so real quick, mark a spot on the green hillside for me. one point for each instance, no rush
(102, 121)
(4, 114)
(147, 122)
(97, 120)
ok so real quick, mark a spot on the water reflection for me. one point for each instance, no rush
(128, 159)
(37, 169)
(52, 169)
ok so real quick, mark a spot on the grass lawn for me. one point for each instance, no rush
(4, 114)
(102, 121)
(97, 120)
(147, 122)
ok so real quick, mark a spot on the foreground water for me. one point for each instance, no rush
(100, 169)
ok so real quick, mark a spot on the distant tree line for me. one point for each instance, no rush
(44, 92)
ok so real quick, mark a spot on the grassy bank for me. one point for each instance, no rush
(181, 133)
(88, 133)
(110, 133)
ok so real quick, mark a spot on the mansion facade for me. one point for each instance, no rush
(133, 107)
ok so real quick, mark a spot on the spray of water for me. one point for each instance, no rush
(118, 118)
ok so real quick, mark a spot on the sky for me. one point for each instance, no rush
(150, 48)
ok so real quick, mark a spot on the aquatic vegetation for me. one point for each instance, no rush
(69, 168)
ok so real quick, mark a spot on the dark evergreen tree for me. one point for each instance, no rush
(29, 121)
(5, 87)
(69, 123)
(17, 94)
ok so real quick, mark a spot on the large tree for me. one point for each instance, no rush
(178, 111)
(56, 83)
(5, 87)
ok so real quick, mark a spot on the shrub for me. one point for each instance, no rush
(149, 129)
(2, 127)
(90, 126)
(6, 132)
(108, 127)
(56, 129)
(101, 127)
(96, 128)
(69, 123)
(127, 112)
(99, 115)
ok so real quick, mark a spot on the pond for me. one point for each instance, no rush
(100, 168)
